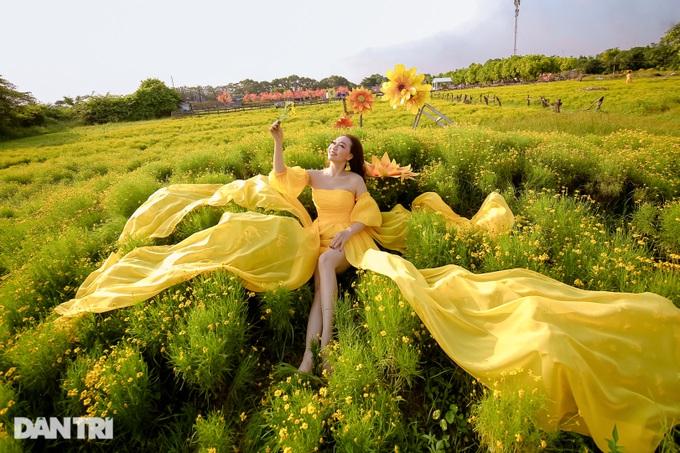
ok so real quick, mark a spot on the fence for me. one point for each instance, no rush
(245, 107)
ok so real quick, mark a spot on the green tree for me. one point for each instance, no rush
(609, 59)
(335, 81)
(13, 106)
(252, 86)
(632, 59)
(510, 68)
(472, 75)
(294, 82)
(98, 109)
(373, 80)
(457, 76)
(567, 63)
(153, 99)
(590, 65)
(671, 40)
(659, 56)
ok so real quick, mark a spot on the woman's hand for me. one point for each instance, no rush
(277, 131)
(340, 239)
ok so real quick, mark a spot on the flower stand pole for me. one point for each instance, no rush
(441, 119)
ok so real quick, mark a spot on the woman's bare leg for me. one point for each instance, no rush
(331, 262)
(314, 327)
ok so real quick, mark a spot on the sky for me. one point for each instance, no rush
(54, 49)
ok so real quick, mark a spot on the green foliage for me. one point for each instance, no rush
(8, 410)
(388, 192)
(669, 235)
(505, 414)
(153, 99)
(129, 193)
(447, 394)
(528, 68)
(368, 423)
(197, 220)
(296, 416)
(284, 313)
(613, 443)
(112, 383)
(213, 434)
(208, 348)
(392, 329)
(98, 109)
(14, 108)
(38, 355)
(672, 40)
(433, 243)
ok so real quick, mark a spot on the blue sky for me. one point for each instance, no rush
(78, 47)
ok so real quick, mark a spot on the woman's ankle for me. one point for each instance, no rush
(307, 363)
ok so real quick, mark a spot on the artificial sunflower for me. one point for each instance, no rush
(402, 84)
(344, 121)
(361, 100)
(418, 100)
(381, 168)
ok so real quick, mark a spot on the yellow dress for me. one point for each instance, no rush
(604, 358)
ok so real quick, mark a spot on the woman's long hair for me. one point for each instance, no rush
(356, 164)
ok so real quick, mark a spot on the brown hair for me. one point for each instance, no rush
(356, 163)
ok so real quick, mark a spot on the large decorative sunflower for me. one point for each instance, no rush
(402, 84)
(418, 100)
(382, 168)
(361, 100)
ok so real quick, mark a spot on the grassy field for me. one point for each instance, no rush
(597, 200)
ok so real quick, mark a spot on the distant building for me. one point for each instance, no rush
(441, 83)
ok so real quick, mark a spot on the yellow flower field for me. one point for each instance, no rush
(202, 366)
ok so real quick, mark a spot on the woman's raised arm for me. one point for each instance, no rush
(277, 133)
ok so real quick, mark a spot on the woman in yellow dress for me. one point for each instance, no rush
(604, 359)
(344, 209)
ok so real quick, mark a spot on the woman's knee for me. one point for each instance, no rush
(329, 260)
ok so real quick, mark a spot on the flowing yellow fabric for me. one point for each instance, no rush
(604, 358)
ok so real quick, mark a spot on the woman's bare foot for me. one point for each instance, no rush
(307, 363)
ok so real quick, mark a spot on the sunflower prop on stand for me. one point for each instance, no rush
(408, 89)
(361, 100)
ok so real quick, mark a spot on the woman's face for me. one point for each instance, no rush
(340, 150)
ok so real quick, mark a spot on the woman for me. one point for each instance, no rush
(344, 207)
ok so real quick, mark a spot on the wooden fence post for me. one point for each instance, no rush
(557, 105)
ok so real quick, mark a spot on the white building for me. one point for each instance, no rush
(441, 83)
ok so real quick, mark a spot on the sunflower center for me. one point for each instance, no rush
(401, 86)
(361, 98)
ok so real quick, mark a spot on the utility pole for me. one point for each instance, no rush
(516, 15)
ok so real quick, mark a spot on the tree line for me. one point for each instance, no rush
(208, 93)
(529, 68)
(21, 114)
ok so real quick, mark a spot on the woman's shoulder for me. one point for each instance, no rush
(359, 184)
(314, 175)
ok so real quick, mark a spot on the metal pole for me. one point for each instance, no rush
(516, 15)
